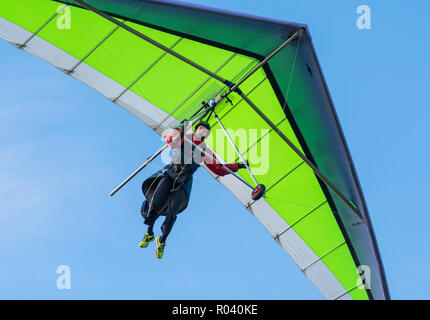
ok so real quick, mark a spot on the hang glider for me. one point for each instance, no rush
(159, 60)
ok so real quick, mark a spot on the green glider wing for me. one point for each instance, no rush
(333, 246)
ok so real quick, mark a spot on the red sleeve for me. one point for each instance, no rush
(220, 171)
(217, 168)
(169, 139)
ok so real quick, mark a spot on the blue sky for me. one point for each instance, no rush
(64, 147)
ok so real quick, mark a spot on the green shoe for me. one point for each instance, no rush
(160, 248)
(146, 240)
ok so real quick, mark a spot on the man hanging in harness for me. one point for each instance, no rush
(167, 192)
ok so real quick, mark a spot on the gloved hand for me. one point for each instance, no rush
(242, 164)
